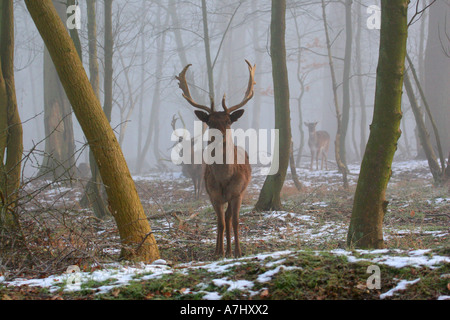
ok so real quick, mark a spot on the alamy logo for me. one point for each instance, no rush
(374, 20)
(374, 281)
(216, 153)
(73, 17)
(73, 277)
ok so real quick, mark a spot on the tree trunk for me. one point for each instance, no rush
(153, 127)
(293, 167)
(93, 195)
(209, 67)
(11, 134)
(437, 70)
(135, 232)
(422, 130)
(362, 98)
(337, 142)
(140, 128)
(258, 59)
(59, 160)
(74, 32)
(181, 50)
(269, 198)
(421, 65)
(301, 77)
(431, 119)
(346, 81)
(109, 46)
(370, 205)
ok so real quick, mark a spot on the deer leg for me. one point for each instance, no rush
(235, 205)
(312, 160)
(317, 159)
(322, 155)
(194, 180)
(220, 229)
(228, 215)
(197, 188)
(324, 159)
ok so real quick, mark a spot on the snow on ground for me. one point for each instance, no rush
(307, 228)
(117, 275)
(402, 285)
(333, 178)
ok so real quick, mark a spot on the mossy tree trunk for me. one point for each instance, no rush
(270, 196)
(370, 205)
(93, 196)
(125, 206)
(11, 134)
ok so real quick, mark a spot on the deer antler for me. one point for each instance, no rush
(174, 122)
(182, 83)
(248, 94)
(173, 125)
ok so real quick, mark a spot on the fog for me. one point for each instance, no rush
(152, 38)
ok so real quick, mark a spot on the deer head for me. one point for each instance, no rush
(220, 120)
(311, 126)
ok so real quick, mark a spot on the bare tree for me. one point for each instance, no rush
(269, 197)
(341, 165)
(135, 232)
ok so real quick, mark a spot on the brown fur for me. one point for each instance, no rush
(225, 183)
(318, 142)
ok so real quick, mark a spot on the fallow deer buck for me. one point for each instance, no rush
(192, 170)
(318, 142)
(225, 182)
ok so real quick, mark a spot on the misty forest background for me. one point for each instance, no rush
(154, 40)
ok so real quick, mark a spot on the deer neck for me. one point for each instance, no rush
(227, 168)
(313, 136)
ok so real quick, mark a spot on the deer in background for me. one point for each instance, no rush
(318, 142)
(225, 183)
(191, 170)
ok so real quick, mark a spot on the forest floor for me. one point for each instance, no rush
(297, 253)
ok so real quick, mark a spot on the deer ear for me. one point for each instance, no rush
(202, 116)
(236, 115)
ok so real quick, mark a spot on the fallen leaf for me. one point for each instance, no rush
(115, 292)
(264, 293)
(361, 286)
